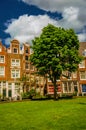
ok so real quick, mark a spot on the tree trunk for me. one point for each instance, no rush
(55, 90)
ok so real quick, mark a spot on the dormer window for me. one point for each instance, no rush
(15, 50)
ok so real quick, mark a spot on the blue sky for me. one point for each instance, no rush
(24, 19)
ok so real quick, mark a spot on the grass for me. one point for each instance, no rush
(44, 115)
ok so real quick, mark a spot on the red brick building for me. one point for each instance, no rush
(15, 63)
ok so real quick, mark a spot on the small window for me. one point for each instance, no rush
(26, 66)
(4, 83)
(83, 75)
(26, 57)
(65, 87)
(2, 71)
(9, 85)
(1, 59)
(15, 50)
(26, 50)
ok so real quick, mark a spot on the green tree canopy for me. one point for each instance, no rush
(55, 51)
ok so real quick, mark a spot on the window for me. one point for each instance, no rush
(74, 75)
(9, 85)
(15, 50)
(15, 62)
(26, 50)
(82, 75)
(84, 88)
(82, 64)
(26, 66)
(1, 59)
(17, 88)
(26, 57)
(15, 73)
(67, 87)
(75, 86)
(2, 71)
(4, 83)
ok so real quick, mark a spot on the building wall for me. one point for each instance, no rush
(11, 85)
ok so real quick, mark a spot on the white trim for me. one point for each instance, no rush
(15, 74)
(15, 63)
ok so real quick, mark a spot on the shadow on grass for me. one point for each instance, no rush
(82, 103)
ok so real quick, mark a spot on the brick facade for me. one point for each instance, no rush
(15, 63)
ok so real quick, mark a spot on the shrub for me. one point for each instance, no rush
(29, 95)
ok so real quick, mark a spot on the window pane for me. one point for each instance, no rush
(15, 62)
(65, 87)
(15, 50)
(26, 57)
(15, 73)
(26, 50)
(2, 71)
(1, 59)
(82, 75)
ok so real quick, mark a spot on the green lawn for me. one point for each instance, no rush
(44, 115)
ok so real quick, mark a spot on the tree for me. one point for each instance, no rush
(55, 51)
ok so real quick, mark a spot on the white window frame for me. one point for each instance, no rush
(84, 74)
(15, 63)
(2, 72)
(2, 60)
(15, 73)
(67, 87)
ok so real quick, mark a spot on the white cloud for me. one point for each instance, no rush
(54, 5)
(70, 19)
(25, 28)
(73, 11)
